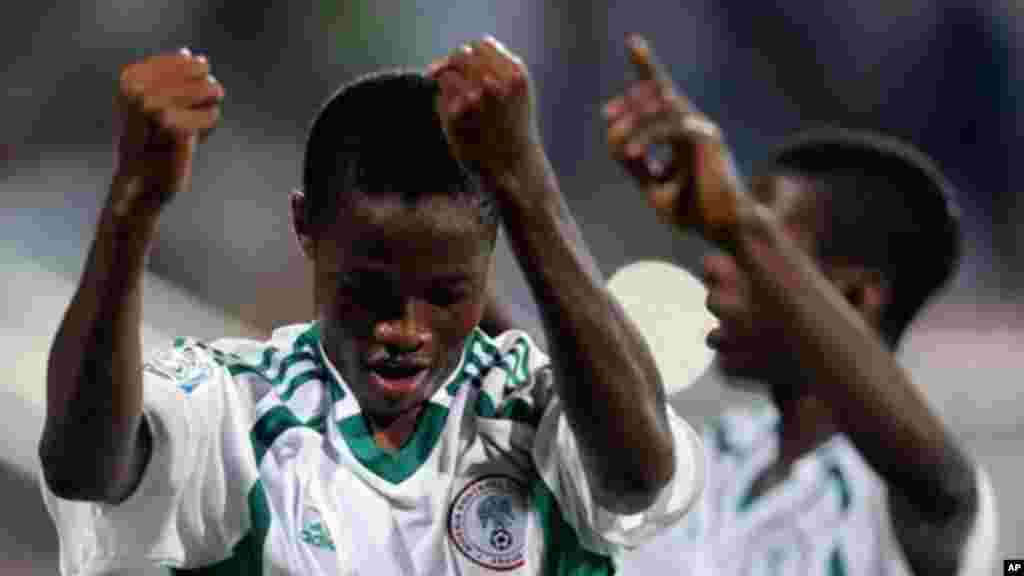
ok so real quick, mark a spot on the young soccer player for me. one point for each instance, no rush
(389, 435)
(824, 262)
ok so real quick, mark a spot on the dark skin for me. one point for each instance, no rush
(606, 378)
(95, 443)
(390, 277)
(392, 292)
(788, 318)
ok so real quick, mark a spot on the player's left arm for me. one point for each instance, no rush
(932, 480)
(606, 376)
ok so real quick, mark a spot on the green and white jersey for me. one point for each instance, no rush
(830, 517)
(263, 464)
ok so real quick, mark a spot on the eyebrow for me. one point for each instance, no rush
(449, 279)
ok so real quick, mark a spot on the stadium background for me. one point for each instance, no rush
(944, 75)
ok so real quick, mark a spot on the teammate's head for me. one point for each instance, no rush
(401, 236)
(877, 217)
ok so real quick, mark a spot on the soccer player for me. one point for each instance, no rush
(823, 264)
(390, 435)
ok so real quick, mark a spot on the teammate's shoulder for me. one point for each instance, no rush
(739, 429)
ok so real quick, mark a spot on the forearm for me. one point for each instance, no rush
(874, 401)
(606, 376)
(91, 444)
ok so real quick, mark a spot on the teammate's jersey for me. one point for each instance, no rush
(263, 464)
(830, 517)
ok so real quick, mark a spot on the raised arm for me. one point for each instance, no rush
(606, 376)
(932, 481)
(95, 444)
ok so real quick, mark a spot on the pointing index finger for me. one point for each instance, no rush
(647, 65)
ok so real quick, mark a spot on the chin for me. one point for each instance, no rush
(741, 376)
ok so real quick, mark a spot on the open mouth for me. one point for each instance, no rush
(397, 378)
(396, 371)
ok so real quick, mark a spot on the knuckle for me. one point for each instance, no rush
(616, 137)
(200, 67)
(128, 84)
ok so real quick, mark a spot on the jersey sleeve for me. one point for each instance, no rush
(190, 507)
(558, 461)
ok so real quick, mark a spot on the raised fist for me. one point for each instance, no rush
(164, 105)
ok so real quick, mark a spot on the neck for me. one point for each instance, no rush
(806, 424)
(391, 433)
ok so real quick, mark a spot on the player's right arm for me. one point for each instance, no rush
(96, 444)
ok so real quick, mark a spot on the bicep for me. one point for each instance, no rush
(176, 514)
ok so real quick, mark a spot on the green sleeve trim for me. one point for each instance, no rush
(564, 555)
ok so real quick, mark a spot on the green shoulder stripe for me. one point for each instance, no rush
(271, 425)
(564, 555)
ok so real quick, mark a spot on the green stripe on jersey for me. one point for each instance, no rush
(398, 466)
(483, 405)
(563, 553)
(835, 474)
(269, 427)
(519, 410)
(836, 563)
(247, 557)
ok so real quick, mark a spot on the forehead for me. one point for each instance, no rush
(433, 232)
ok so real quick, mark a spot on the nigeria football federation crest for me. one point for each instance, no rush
(487, 522)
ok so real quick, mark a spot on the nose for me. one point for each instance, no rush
(404, 332)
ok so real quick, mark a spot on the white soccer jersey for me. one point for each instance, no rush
(263, 464)
(828, 518)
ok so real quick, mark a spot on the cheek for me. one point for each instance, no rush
(461, 319)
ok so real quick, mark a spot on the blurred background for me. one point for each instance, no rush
(943, 75)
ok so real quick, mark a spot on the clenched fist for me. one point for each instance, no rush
(164, 105)
(697, 188)
(486, 108)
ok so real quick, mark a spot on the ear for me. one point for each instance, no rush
(297, 200)
(866, 289)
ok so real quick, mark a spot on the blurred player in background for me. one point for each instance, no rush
(390, 436)
(841, 240)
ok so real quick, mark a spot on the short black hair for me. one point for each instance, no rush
(882, 204)
(381, 133)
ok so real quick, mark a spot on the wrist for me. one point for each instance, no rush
(127, 208)
(756, 231)
(129, 231)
